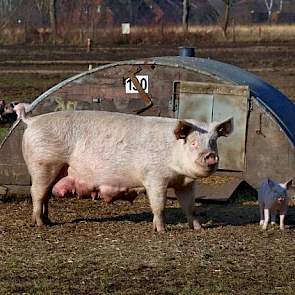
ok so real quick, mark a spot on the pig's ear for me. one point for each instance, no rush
(182, 130)
(288, 183)
(225, 128)
(270, 183)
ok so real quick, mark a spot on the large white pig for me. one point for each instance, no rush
(112, 153)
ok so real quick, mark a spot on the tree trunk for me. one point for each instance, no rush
(52, 17)
(185, 8)
(226, 17)
(130, 12)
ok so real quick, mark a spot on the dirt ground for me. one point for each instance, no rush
(95, 248)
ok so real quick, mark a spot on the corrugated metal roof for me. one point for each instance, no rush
(276, 103)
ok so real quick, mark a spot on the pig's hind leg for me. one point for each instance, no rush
(44, 176)
(273, 216)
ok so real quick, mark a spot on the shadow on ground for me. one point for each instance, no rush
(210, 215)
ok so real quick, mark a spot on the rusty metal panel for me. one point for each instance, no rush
(269, 153)
(195, 106)
(214, 102)
(213, 88)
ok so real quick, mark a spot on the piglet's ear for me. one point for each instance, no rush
(225, 128)
(288, 184)
(270, 182)
(182, 130)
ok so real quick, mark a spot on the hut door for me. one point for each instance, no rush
(213, 102)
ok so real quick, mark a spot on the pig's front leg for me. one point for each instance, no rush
(266, 219)
(282, 218)
(186, 199)
(261, 211)
(282, 224)
(283, 212)
(157, 194)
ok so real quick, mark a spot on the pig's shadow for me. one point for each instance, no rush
(211, 215)
(136, 218)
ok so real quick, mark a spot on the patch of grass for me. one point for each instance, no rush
(3, 132)
(162, 34)
(25, 87)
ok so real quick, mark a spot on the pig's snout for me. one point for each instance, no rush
(211, 158)
(207, 163)
(280, 200)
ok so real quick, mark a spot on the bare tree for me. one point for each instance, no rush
(156, 10)
(269, 4)
(227, 9)
(185, 13)
(8, 9)
(273, 15)
(47, 8)
(130, 7)
(6, 6)
(280, 6)
(52, 17)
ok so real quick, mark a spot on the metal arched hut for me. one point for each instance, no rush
(263, 143)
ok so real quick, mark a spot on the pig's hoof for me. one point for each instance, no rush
(159, 232)
(38, 225)
(159, 229)
(41, 222)
(37, 221)
(195, 225)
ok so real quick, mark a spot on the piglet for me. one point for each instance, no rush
(273, 198)
(19, 106)
(11, 111)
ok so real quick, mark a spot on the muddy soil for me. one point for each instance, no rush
(95, 248)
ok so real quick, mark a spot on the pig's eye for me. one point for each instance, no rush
(278, 193)
(194, 144)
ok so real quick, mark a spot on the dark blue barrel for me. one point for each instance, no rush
(187, 51)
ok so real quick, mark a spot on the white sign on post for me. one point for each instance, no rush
(143, 81)
(125, 28)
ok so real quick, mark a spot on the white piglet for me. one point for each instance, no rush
(273, 198)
